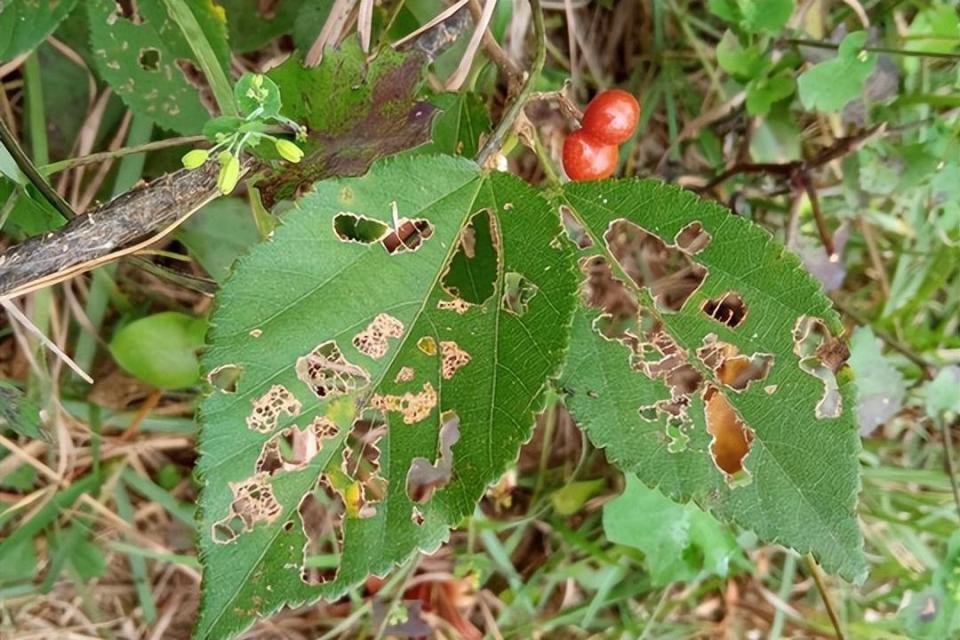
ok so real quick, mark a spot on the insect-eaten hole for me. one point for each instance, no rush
(321, 515)
(149, 59)
(328, 374)
(472, 274)
(414, 407)
(350, 227)
(602, 290)
(669, 273)
(574, 228)
(731, 436)
(270, 406)
(372, 341)
(729, 309)
(127, 10)
(293, 448)
(361, 462)
(425, 477)
(733, 369)
(821, 356)
(517, 293)
(453, 358)
(253, 502)
(195, 78)
(225, 378)
(693, 238)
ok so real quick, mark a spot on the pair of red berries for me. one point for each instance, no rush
(591, 152)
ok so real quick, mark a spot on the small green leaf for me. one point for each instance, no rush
(214, 128)
(254, 92)
(831, 84)
(571, 498)
(941, 393)
(739, 61)
(881, 389)
(679, 541)
(763, 92)
(161, 349)
(754, 16)
(17, 412)
(218, 234)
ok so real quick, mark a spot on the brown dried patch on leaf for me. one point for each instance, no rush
(453, 359)
(253, 502)
(361, 462)
(732, 437)
(669, 273)
(733, 369)
(404, 375)
(427, 345)
(321, 515)
(575, 230)
(293, 449)
(225, 378)
(517, 293)
(821, 355)
(267, 410)
(456, 305)
(328, 374)
(729, 309)
(693, 238)
(373, 341)
(425, 477)
(414, 407)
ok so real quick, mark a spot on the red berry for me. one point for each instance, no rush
(612, 116)
(586, 158)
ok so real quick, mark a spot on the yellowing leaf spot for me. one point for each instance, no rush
(427, 345)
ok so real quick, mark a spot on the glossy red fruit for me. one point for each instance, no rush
(612, 116)
(586, 158)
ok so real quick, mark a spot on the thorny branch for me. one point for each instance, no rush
(140, 217)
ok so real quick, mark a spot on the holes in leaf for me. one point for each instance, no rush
(404, 235)
(729, 309)
(372, 341)
(293, 449)
(424, 477)
(517, 293)
(821, 355)
(404, 375)
(453, 358)
(321, 515)
(603, 291)
(414, 407)
(427, 345)
(472, 273)
(575, 231)
(669, 274)
(731, 436)
(328, 374)
(149, 59)
(268, 409)
(225, 378)
(456, 305)
(253, 502)
(733, 369)
(361, 462)
(693, 238)
(195, 78)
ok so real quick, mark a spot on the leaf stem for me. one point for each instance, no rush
(516, 107)
(219, 83)
(816, 44)
(825, 595)
(103, 156)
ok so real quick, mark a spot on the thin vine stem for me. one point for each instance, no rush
(816, 44)
(824, 595)
(516, 107)
(103, 156)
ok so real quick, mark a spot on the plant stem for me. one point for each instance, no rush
(513, 112)
(816, 44)
(103, 156)
(825, 595)
(219, 83)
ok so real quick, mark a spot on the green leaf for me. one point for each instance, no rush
(17, 412)
(763, 92)
(881, 389)
(571, 497)
(254, 91)
(754, 16)
(366, 111)
(831, 84)
(161, 349)
(934, 613)
(679, 541)
(218, 234)
(24, 24)
(737, 60)
(457, 129)
(145, 61)
(351, 345)
(941, 392)
(703, 338)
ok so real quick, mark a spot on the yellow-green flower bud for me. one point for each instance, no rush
(229, 174)
(195, 158)
(289, 151)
